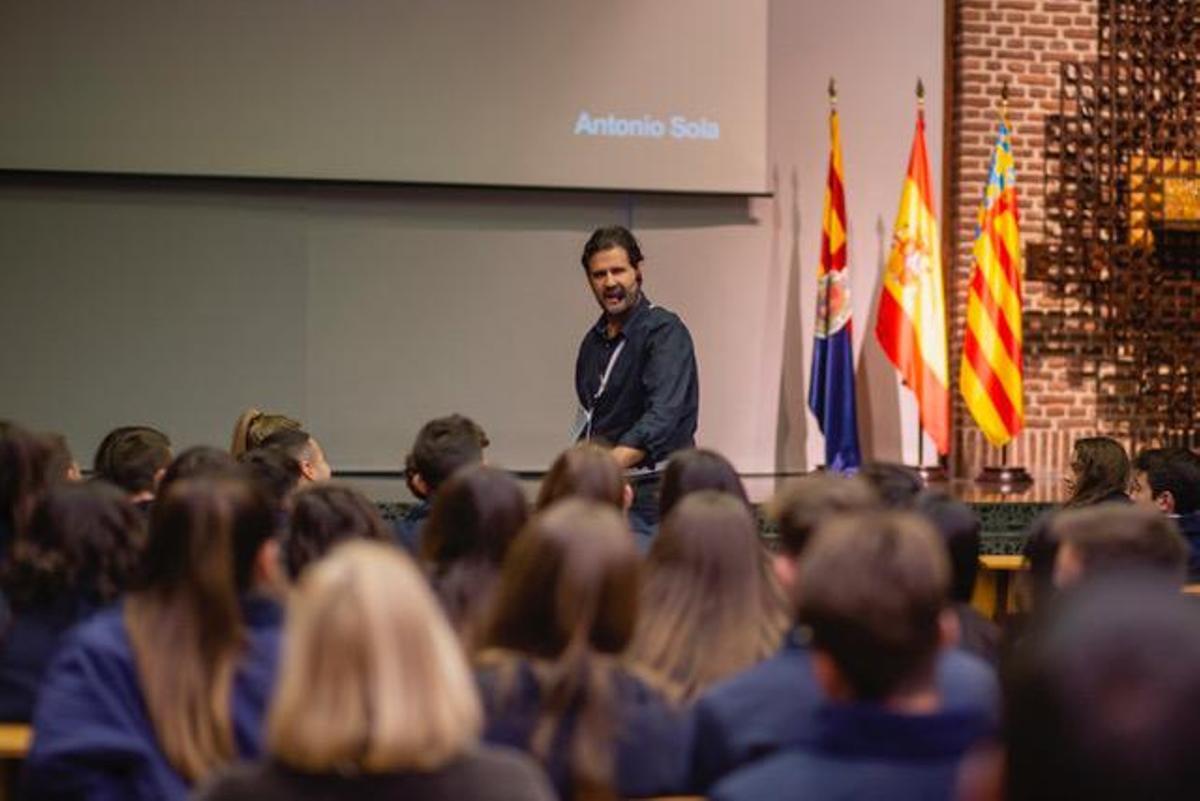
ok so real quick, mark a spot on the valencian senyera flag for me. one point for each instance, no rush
(991, 374)
(831, 388)
(911, 325)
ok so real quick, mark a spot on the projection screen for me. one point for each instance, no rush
(625, 94)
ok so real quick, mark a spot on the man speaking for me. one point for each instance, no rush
(636, 373)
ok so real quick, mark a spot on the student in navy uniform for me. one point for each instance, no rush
(375, 699)
(151, 696)
(442, 446)
(772, 705)
(323, 515)
(550, 669)
(1169, 480)
(873, 592)
(477, 515)
(77, 556)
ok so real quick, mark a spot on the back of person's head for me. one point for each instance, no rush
(804, 503)
(199, 461)
(254, 427)
(1099, 471)
(25, 464)
(709, 607)
(694, 470)
(1173, 476)
(183, 619)
(567, 600)
(959, 527)
(83, 543)
(304, 448)
(275, 472)
(62, 465)
(1112, 537)
(373, 679)
(1101, 700)
(133, 458)
(586, 470)
(896, 485)
(324, 515)
(441, 447)
(871, 592)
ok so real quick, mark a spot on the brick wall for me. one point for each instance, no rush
(1021, 42)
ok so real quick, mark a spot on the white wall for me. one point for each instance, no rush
(365, 310)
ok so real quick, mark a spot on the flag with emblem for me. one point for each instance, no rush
(831, 388)
(911, 323)
(990, 378)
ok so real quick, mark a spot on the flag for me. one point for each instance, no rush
(991, 375)
(831, 388)
(911, 326)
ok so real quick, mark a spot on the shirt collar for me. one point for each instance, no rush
(600, 329)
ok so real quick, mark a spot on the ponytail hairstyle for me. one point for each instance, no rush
(184, 620)
(567, 605)
(253, 427)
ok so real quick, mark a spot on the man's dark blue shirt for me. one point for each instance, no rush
(652, 399)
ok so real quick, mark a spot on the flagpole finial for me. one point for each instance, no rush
(920, 91)
(832, 92)
(1004, 98)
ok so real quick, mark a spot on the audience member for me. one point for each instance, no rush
(477, 514)
(959, 528)
(442, 446)
(775, 703)
(25, 465)
(1098, 473)
(589, 471)
(698, 469)
(1117, 537)
(1169, 480)
(77, 555)
(322, 516)
(254, 427)
(873, 593)
(198, 461)
(63, 466)
(710, 606)
(276, 473)
(134, 458)
(896, 485)
(375, 700)
(552, 682)
(304, 448)
(151, 696)
(1101, 700)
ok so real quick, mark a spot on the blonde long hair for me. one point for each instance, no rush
(709, 605)
(373, 677)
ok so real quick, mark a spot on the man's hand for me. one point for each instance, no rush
(628, 457)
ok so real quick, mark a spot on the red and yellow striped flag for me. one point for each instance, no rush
(991, 374)
(911, 325)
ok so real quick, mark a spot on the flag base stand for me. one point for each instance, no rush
(932, 474)
(1006, 480)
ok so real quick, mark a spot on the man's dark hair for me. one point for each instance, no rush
(1101, 700)
(612, 236)
(1112, 537)
(130, 456)
(1173, 470)
(275, 472)
(324, 515)
(871, 591)
(442, 446)
(292, 441)
(896, 484)
(806, 502)
(195, 462)
(960, 529)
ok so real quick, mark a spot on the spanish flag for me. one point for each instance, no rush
(911, 326)
(991, 374)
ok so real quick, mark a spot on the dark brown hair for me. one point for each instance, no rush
(587, 471)
(442, 446)
(871, 590)
(1099, 471)
(131, 456)
(1121, 536)
(805, 503)
(694, 470)
(196, 462)
(83, 542)
(567, 601)
(324, 515)
(184, 620)
(25, 462)
(475, 518)
(709, 605)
